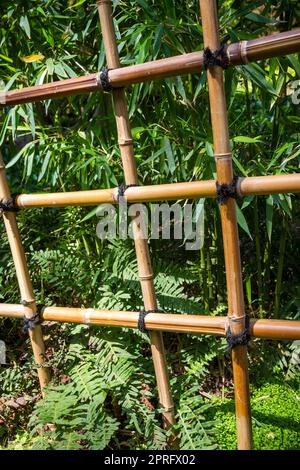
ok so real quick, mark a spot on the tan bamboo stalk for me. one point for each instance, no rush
(254, 185)
(141, 245)
(238, 53)
(195, 324)
(36, 336)
(236, 307)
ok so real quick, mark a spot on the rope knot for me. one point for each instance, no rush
(241, 339)
(9, 204)
(103, 80)
(122, 189)
(218, 57)
(226, 191)
(142, 316)
(36, 319)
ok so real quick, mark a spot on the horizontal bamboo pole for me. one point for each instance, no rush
(254, 185)
(238, 54)
(58, 89)
(195, 324)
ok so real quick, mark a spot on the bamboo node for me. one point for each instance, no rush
(223, 156)
(87, 315)
(27, 303)
(218, 57)
(167, 409)
(103, 2)
(147, 277)
(243, 52)
(124, 142)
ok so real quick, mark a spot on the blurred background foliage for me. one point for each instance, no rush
(103, 392)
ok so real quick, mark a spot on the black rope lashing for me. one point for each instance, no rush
(104, 80)
(225, 191)
(36, 319)
(238, 340)
(9, 204)
(142, 316)
(217, 57)
(123, 188)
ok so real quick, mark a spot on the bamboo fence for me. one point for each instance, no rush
(119, 77)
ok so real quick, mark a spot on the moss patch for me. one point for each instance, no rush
(275, 418)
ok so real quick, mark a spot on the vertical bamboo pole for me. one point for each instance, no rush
(141, 245)
(236, 307)
(24, 282)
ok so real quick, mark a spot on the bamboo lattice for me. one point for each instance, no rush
(119, 77)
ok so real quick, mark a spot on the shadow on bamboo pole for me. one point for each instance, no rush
(236, 307)
(36, 336)
(141, 245)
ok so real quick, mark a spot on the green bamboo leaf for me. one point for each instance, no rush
(255, 73)
(237, 163)
(24, 24)
(29, 163)
(169, 152)
(17, 157)
(249, 290)
(44, 166)
(90, 214)
(260, 19)
(146, 8)
(157, 39)
(77, 4)
(242, 221)
(30, 113)
(294, 61)
(60, 71)
(269, 215)
(11, 81)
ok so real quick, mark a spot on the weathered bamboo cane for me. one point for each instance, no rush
(238, 54)
(236, 307)
(194, 324)
(141, 245)
(250, 186)
(25, 286)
